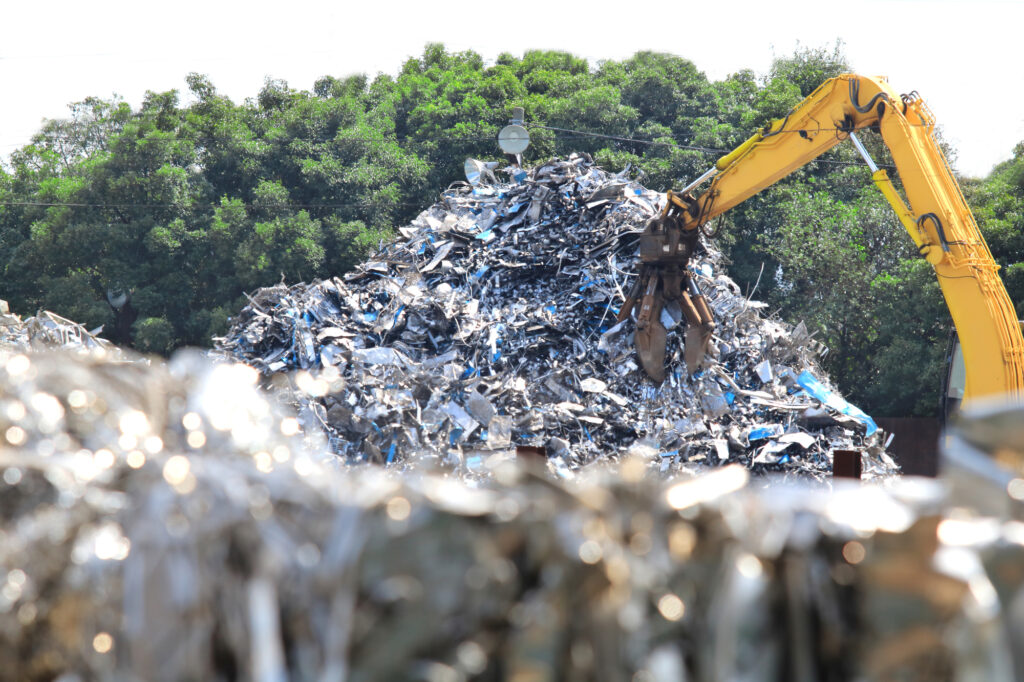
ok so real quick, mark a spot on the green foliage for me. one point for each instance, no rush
(824, 274)
(282, 248)
(154, 335)
(998, 202)
(71, 295)
(1013, 278)
(808, 67)
(188, 206)
(348, 244)
(903, 373)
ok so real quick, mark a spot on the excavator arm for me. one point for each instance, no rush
(935, 214)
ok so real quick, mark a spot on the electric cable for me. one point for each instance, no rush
(707, 150)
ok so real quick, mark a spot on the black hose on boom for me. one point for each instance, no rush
(938, 228)
(855, 96)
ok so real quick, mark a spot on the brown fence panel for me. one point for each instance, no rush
(915, 446)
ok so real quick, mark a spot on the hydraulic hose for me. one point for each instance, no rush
(855, 97)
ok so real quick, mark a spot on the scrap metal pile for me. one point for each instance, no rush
(47, 330)
(169, 522)
(490, 324)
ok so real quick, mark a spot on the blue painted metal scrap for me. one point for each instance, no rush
(817, 390)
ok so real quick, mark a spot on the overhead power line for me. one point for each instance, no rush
(349, 204)
(583, 133)
(676, 145)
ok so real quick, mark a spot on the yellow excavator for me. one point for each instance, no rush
(935, 215)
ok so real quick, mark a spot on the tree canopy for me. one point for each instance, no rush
(191, 200)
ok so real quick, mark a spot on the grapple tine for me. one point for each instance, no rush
(650, 346)
(651, 337)
(697, 340)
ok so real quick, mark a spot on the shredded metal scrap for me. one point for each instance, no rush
(47, 330)
(168, 522)
(491, 323)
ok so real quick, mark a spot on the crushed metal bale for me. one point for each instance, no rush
(168, 522)
(490, 324)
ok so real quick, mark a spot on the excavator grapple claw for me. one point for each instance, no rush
(665, 251)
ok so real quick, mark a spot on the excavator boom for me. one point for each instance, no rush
(935, 213)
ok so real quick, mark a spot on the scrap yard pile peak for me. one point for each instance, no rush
(489, 323)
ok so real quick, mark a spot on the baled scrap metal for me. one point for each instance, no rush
(170, 522)
(508, 293)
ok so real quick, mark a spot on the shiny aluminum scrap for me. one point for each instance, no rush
(47, 330)
(169, 522)
(490, 323)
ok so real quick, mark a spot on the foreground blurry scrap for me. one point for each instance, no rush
(490, 324)
(170, 522)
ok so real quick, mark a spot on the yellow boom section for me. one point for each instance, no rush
(935, 215)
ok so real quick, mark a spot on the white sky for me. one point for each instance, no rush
(959, 54)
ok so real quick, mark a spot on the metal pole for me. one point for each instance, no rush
(709, 174)
(863, 152)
